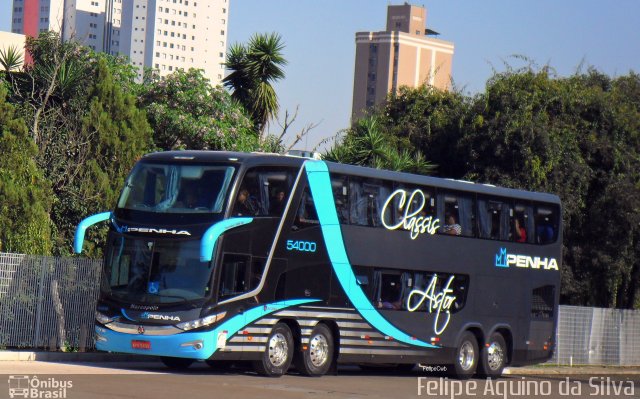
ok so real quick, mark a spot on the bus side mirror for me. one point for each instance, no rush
(210, 237)
(84, 225)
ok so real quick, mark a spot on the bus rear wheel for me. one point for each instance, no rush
(466, 356)
(176, 363)
(494, 357)
(316, 359)
(278, 353)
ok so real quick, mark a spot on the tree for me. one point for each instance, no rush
(255, 67)
(430, 122)
(366, 144)
(57, 79)
(24, 193)
(186, 112)
(576, 136)
(119, 134)
(10, 59)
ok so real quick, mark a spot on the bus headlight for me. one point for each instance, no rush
(103, 319)
(205, 321)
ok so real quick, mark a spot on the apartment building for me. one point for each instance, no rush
(166, 35)
(405, 54)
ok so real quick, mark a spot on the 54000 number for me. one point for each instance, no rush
(302, 246)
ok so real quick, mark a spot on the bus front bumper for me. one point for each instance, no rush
(191, 345)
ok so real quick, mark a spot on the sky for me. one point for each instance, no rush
(320, 44)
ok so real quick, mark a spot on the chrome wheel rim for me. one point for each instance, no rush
(278, 349)
(495, 356)
(466, 356)
(318, 350)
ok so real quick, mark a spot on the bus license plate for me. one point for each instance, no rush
(137, 344)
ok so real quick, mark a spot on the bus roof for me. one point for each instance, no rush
(257, 158)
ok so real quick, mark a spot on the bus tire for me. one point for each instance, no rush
(176, 363)
(278, 352)
(316, 359)
(466, 356)
(493, 357)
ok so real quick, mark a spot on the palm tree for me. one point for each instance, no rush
(367, 144)
(10, 59)
(255, 67)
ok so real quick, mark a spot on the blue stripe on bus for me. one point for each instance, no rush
(320, 184)
(78, 240)
(210, 237)
(171, 345)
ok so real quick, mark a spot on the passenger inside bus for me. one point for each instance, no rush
(190, 198)
(519, 231)
(389, 291)
(244, 204)
(452, 228)
(278, 203)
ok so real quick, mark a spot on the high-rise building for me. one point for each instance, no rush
(30, 17)
(405, 54)
(166, 35)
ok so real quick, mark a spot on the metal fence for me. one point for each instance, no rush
(597, 336)
(48, 302)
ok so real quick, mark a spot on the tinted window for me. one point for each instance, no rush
(523, 224)
(494, 220)
(408, 290)
(546, 221)
(176, 188)
(306, 215)
(413, 202)
(456, 213)
(234, 279)
(264, 192)
(340, 188)
(366, 200)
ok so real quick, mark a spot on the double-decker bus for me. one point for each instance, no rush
(278, 260)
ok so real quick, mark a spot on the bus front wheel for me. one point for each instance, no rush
(176, 363)
(466, 356)
(278, 352)
(494, 357)
(315, 358)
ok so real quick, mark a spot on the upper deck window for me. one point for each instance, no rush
(546, 224)
(173, 188)
(264, 191)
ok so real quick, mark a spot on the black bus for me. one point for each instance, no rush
(278, 260)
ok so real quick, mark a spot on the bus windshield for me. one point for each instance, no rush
(142, 270)
(175, 188)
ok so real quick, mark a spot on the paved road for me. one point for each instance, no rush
(152, 380)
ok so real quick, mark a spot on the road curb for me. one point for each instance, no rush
(89, 357)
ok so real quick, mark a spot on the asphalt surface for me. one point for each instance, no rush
(153, 380)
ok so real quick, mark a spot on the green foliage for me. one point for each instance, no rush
(117, 130)
(10, 59)
(578, 137)
(24, 193)
(366, 144)
(430, 122)
(255, 67)
(186, 112)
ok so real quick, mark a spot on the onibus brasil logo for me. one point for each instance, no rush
(504, 259)
(25, 386)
